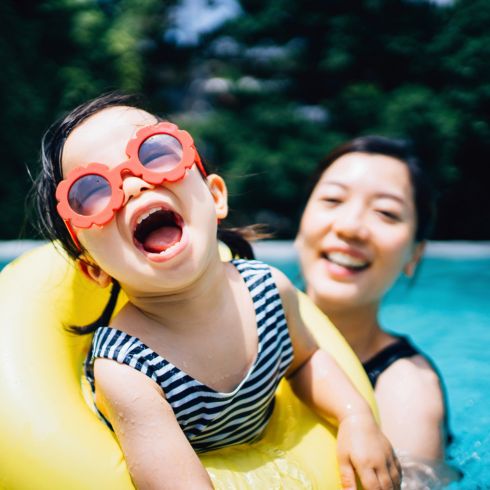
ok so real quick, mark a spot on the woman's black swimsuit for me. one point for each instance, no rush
(402, 348)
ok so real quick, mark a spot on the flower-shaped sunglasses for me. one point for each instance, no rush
(91, 195)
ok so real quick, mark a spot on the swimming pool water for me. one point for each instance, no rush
(446, 311)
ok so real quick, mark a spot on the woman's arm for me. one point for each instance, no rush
(318, 380)
(156, 450)
(411, 407)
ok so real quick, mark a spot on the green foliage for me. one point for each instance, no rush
(54, 55)
(267, 156)
(404, 69)
(267, 94)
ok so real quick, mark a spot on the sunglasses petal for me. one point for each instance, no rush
(92, 194)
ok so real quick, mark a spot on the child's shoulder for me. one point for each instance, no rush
(280, 279)
(252, 264)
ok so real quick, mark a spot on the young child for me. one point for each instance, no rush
(191, 363)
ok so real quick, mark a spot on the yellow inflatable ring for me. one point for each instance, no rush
(52, 440)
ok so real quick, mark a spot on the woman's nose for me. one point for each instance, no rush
(134, 186)
(350, 224)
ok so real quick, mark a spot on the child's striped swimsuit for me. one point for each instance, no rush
(208, 418)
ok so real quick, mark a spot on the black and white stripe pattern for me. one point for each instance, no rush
(211, 419)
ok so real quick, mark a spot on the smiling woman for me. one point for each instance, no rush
(365, 223)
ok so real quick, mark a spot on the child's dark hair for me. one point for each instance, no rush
(51, 225)
(401, 150)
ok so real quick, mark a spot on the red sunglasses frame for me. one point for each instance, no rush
(114, 176)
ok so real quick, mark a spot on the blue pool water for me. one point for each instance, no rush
(446, 311)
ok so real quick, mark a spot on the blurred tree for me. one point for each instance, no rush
(54, 55)
(267, 93)
(311, 74)
(462, 48)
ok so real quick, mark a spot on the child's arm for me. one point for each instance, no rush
(318, 380)
(156, 450)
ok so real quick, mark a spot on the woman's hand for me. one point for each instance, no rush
(362, 449)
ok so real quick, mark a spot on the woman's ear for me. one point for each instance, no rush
(417, 253)
(219, 192)
(297, 244)
(94, 273)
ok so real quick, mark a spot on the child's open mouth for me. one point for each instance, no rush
(158, 231)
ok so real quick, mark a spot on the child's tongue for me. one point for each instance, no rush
(162, 238)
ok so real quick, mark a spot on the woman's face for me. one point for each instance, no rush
(357, 231)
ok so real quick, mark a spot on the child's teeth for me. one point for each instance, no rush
(142, 217)
(166, 251)
(345, 259)
(145, 215)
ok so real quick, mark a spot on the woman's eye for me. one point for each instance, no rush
(390, 215)
(332, 200)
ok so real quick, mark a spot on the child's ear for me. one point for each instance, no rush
(219, 192)
(94, 273)
(417, 253)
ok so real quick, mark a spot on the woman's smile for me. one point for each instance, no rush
(344, 264)
(357, 229)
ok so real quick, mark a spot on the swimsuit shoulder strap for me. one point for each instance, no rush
(400, 349)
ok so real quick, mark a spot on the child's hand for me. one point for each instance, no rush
(363, 449)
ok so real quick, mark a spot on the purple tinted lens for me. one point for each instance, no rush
(89, 195)
(160, 152)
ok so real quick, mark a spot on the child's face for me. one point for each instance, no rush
(166, 231)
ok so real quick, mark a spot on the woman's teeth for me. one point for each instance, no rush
(346, 260)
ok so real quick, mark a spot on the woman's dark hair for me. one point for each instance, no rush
(401, 150)
(51, 225)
